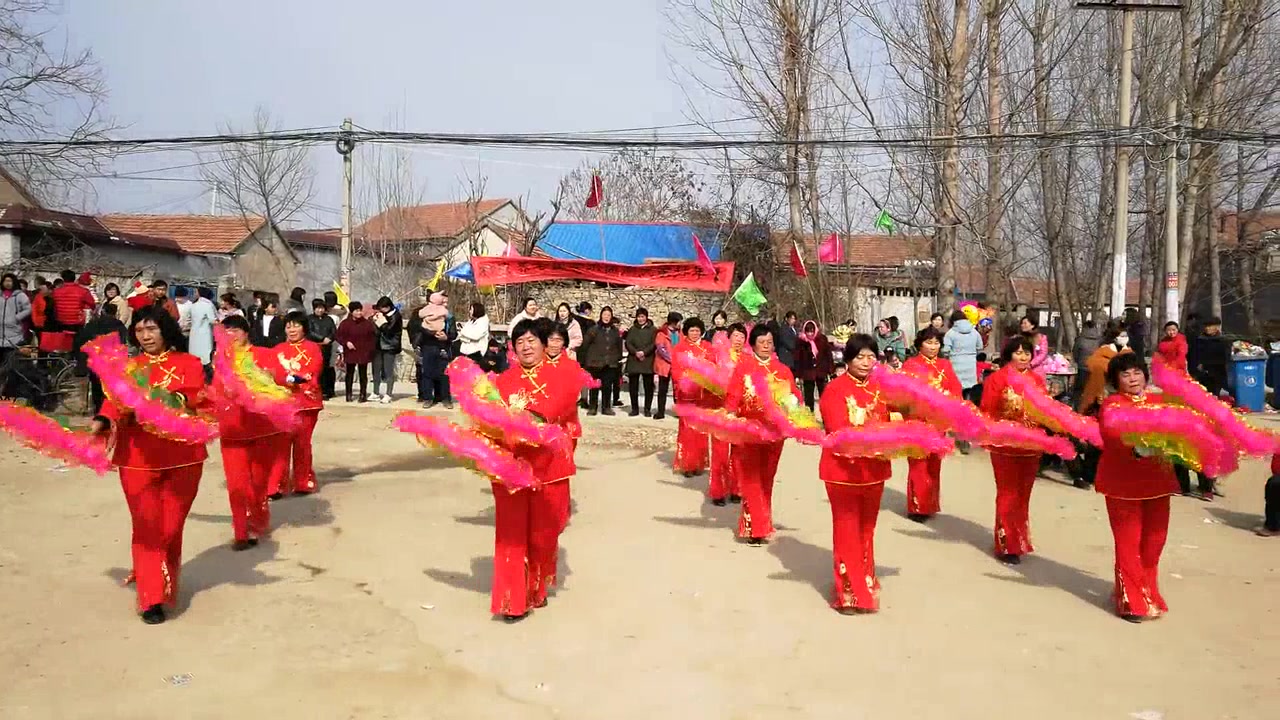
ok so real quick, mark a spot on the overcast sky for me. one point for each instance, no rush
(178, 67)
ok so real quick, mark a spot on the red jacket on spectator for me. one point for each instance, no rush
(70, 301)
(360, 332)
(1173, 350)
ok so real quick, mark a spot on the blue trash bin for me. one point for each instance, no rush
(1248, 384)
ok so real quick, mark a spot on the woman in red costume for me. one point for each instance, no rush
(160, 476)
(692, 448)
(757, 463)
(557, 341)
(1014, 468)
(924, 476)
(296, 363)
(724, 470)
(528, 522)
(255, 453)
(854, 485)
(1137, 487)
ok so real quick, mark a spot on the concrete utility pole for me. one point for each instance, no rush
(213, 200)
(1120, 243)
(346, 146)
(1171, 224)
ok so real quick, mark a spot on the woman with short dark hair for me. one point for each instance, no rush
(759, 461)
(160, 476)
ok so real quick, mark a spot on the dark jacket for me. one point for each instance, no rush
(361, 333)
(97, 327)
(414, 327)
(601, 347)
(813, 368)
(321, 328)
(586, 324)
(431, 346)
(1212, 357)
(1086, 342)
(784, 343)
(390, 335)
(274, 335)
(641, 339)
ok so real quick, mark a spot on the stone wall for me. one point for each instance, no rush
(624, 301)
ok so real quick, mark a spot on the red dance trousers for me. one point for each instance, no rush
(526, 540)
(252, 467)
(159, 501)
(1015, 475)
(691, 449)
(757, 464)
(303, 476)
(1140, 528)
(924, 485)
(724, 479)
(854, 509)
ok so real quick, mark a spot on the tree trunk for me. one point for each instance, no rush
(996, 280)
(949, 210)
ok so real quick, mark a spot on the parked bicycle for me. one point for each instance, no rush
(48, 383)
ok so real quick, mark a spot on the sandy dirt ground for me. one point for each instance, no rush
(370, 601)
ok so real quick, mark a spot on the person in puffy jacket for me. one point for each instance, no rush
(641, 341)
(601, 355)
(1172, 348)
(961, 346)
(15, 308)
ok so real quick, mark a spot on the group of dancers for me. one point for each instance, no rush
(737, 406)
(1142, 435)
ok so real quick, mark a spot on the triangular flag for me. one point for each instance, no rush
(596, 196)
(343, 300)
(705, 266)
(748, 295)
(884, 221)
(831, 251)
(797, 262)
(510, 251)
(435, 281)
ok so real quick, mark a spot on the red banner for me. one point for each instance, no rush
(674, 275)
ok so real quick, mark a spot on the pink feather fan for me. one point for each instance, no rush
(1053, 415)
(48, 437)
(1178, 433)
(471, 447)
(484, 406)
(239, 380)
(697, 374)
(725, 426)
(1008, 435)
(1180, 388)
(910, 438)
(787, 415)
(924, 402)
(109, 360)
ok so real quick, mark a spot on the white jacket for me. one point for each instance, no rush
(474, 336)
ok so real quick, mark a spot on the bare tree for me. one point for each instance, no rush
(639, 186)
(48, 91)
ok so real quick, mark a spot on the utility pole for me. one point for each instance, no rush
(1171, 309)
(213, 201)
(346, 146)
(1120, 243)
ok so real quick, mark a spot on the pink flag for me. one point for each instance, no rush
(510, 251)
(704, 260)
(831, 251)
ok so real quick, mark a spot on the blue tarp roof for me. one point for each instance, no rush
(629, 243)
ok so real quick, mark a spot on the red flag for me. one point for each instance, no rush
(797, 262)
(596, 196)
(831, 250)
(704, 260)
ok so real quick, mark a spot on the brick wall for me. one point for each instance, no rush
(624, 301)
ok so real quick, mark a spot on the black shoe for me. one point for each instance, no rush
(275, 496)
(659, 416)
(755, 541)
(633, 413)
(348, 398)
(591, 412)
(718, 502)
(608, 411)
(253, 542)
(428, 405)
(153, 615)
(735, 499)
(242, 545)
(648, 412)
(364, 398)
(1135, 619)
(917, 517)
(513, 619)
(1011, 559)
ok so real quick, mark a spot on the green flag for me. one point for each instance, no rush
(884, 221)
(748, 295)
